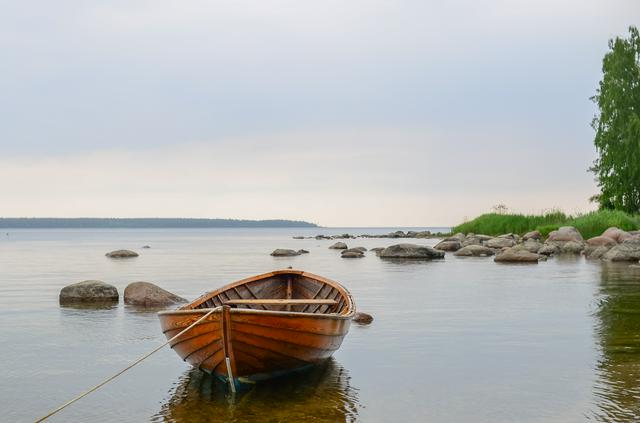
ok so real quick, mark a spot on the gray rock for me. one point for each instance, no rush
(411, 251)
(565, 234)
(452, 245)
(572, 247)
(474, 251)
(531, 245)
(536, 235)
(361, 249)
(460, 237)
(121, 254)
(147, 294)
(89, 292)
(514, 255)
(500, 243)
(298, 237)
(339, 246)
(303, 251)
(596, 251)
(549, 249)
(284, 252)
(362, 318)
(628, 250)
(352, 254)
(146, 246)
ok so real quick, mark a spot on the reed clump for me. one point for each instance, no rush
(589, 224)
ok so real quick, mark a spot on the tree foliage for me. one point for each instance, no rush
(617, 126)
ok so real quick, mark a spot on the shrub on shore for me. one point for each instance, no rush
(589, 224)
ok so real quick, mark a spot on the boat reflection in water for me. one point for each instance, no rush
(321, 393)
(617, 388)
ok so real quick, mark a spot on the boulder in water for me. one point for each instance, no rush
(474, 250)
(338, 246)
(411, 251)
(121, 254)
(147, 294)
(514, 255)
(285, 252)
(362, 318)
(89, 292)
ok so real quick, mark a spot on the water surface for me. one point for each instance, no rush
(459, 340)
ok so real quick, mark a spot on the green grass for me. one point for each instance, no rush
(589, 224)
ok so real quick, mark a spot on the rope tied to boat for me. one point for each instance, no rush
(139, 360)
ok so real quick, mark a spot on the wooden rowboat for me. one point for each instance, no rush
(262, 326)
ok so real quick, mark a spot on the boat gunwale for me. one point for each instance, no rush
(188, 308)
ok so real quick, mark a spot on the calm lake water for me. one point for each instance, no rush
(458, 340)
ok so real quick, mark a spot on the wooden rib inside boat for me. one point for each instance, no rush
(262, 326)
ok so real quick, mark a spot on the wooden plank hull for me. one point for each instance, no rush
(260, 343)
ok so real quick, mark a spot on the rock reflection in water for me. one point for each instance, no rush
(617, 387)
(320, 394)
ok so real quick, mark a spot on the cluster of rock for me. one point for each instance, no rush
(613, 245)
(143, 294)
(286, 252)
(396, 234)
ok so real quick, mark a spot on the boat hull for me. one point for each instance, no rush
(263, 344)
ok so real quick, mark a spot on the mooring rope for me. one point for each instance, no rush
(68, 403)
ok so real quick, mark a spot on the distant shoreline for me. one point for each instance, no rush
(91, 222)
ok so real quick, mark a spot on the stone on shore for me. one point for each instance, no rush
(362, 318)
(500, 242)
(451, 245)
(147, 294)
(549, 249)
(474, 251)
(618, 235)
(411, 251)
(121, 254)
(536, 235)
(628, 250)
(601, 241)
(89, 292)
(339, 246)
(565, 234)
(595, 252)
(572, 247)
(515, 255)
(285, 252)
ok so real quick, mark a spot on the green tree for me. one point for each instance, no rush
(617, 126)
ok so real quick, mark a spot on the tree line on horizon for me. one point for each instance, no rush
(97, 222)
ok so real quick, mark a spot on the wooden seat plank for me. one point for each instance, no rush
(274, 301)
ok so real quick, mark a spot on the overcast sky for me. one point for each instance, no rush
(365, 113)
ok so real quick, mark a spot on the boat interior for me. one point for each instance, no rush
(280, 291)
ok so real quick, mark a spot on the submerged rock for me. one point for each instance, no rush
(89, 292)
(514, 255)
(339, 246)
(352, 253)
(595, 251)
(303, 251)
(149, 295)
(362, 318)
(474, 251)
(411, 251)
(284, 252)
(146, 246)
(121, 254)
